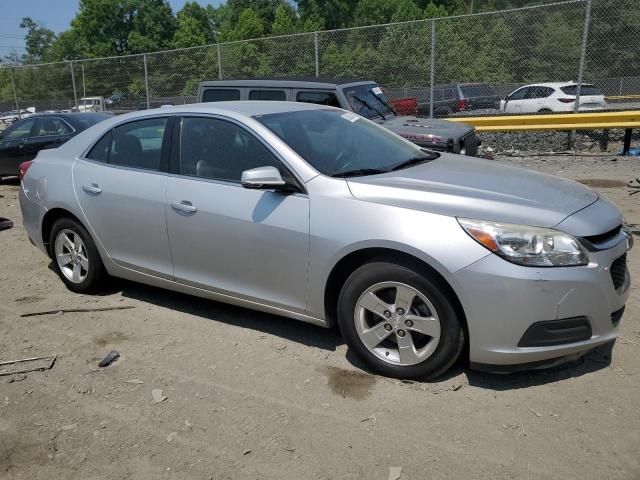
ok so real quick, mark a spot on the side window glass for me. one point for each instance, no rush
(533, 93)
(219, 150)
(138, 144)
(51, 126)
(20, 131)
(319, 98)
(546, 91)
(100, 151)
(519, 94)
(267, 95)
(220, 95)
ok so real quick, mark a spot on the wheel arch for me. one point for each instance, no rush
(50, 218)
(355, 259)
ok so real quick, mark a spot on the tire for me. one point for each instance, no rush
(545, 110)
(92, 272)
(434, 353)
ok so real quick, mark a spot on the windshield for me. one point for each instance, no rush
(339, 143)
(88, 101)
(368, 100)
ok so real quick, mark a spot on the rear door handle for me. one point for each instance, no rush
(93, 189)
(184, 207)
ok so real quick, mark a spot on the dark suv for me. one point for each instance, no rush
(364, 97)
(458, 97)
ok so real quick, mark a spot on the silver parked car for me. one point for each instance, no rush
(321, 215)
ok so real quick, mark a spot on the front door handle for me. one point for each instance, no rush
(184, 207)
(93, 189)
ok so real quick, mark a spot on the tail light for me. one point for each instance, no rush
(462, 104)
(567, 100)
(22, 169)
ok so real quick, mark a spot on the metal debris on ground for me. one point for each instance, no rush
(111, 357)
(134, 381)
(26, 365)
(395, 473)
(75, 310)
(157, 395)
(5, 223)
(635, 188)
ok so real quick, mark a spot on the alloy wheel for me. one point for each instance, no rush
(71, 256)
(397, 323)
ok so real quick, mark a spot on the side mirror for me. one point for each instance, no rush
(263, 178)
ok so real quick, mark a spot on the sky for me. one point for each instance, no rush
(54, 14)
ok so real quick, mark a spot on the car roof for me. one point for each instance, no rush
(250, 108)
(556, 84)
(285, 82)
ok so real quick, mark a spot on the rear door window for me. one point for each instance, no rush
(277, 95)
(51, 126)
(319, 98)
(220, 94)
(138, 144)
(100, 151)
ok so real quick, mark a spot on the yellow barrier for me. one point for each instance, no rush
(622, 97)
(563, 121)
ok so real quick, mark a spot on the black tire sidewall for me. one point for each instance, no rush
(452, 334)
(95, 274)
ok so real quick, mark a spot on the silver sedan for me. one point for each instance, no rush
(320, 215)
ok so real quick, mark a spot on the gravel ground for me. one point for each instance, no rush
(255, 396)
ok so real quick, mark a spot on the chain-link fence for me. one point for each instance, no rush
(425, 61)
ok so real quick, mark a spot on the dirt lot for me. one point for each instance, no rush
(254, 396)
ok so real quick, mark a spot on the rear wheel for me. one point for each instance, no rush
(401, 323)
(545, 110)
(75, 257)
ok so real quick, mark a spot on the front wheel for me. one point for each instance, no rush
(75, 257)
(399, 322)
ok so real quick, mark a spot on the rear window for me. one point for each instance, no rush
(85, 120)
(277, 95)
(585, 90)
(220, 95)
(471, 91)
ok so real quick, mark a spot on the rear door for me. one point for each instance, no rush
(12, 146)
(120, 185)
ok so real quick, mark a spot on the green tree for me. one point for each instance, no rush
(285, 21)
(38, 40)
(372, 12)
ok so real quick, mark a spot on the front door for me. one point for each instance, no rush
(121, 188)
(251, 244)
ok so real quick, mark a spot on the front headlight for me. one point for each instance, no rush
(529, 246)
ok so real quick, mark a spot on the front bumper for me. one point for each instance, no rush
(503, 300)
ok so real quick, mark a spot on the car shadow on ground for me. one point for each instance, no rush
(294, 330)
(330, 339)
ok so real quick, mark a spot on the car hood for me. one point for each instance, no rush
(415, 128)
(462, 186)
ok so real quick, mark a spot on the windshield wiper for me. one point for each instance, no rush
(414, 161)
(384, 102)
(359, 172)
(369, 106)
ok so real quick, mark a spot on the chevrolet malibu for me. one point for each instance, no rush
(321, 215)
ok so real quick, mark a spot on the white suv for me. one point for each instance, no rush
(552, 97)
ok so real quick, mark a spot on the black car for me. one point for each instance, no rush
(24, 139)
(459, 97)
